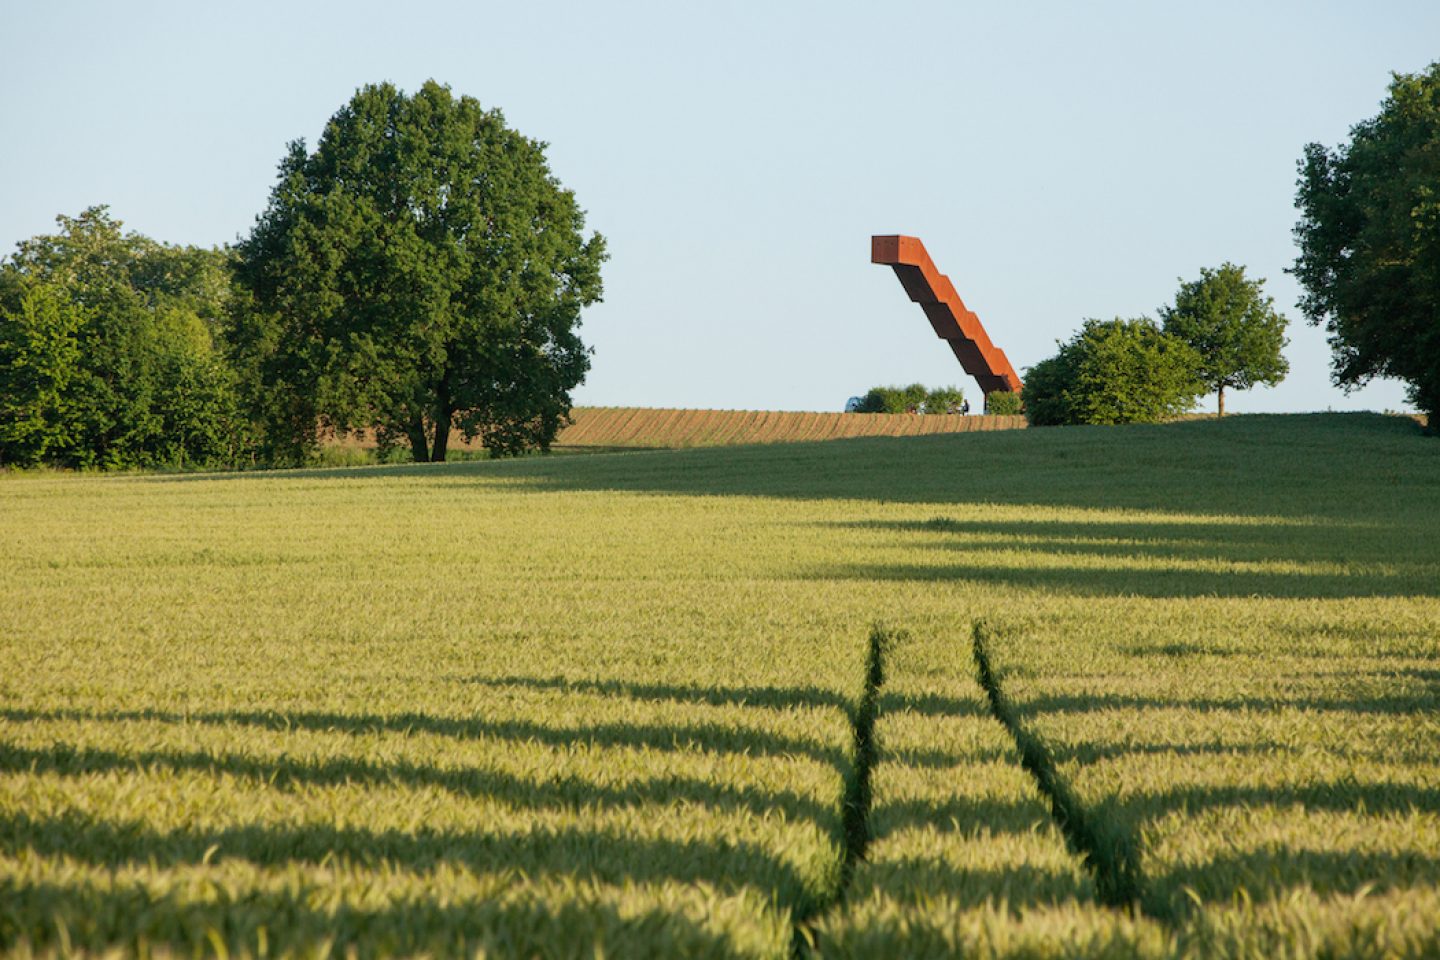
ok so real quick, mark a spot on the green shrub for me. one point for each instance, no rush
(912, 399)
(1002, 403)
(944, 400)
(894, 399)
(1114, 371)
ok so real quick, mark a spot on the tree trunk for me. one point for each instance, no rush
(416, 433)
(443, 413)
(1222, 399)
(442, 435)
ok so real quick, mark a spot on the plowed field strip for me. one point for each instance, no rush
(638, 427)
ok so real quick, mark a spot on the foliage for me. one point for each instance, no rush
(1114, 371)
(420, 270)
(1369, 237)
(1234, 328)
(1003, 403)
(108, 356)
(944, 400)
(915, 398)
(325, 738)
(893, 399)
(39, 360)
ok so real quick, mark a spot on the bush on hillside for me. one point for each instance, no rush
(893, 399)
(1114, 371)
(1002, 403)
(944, 400)
(915, 398)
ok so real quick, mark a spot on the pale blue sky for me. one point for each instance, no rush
(1059, 160)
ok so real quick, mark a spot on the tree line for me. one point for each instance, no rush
(1222, 332)
(420, 271)
(1368, 265)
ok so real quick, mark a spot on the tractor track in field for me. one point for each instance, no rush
(855, 803)
(1109, 851)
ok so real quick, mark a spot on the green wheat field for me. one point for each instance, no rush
(1166, 691)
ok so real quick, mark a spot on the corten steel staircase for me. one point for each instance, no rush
(952, 320)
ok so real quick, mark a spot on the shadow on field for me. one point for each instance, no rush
(1153, 559)
(780, 698)
(1336, 466)
(308, 921)
(291, 773)
(1274, 868)
(571, 850)
(1291, 465)
(1270, 874)
(1326, 792)
(776, 698)
(569, 854)
(576, 853)
(1319, 505)
(700, 737)
(1366, 703)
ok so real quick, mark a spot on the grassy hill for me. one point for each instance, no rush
(1141, 691)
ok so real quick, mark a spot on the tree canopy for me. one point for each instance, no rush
(1233, 326)
(1369, 236)
(107, 355)
(421, 270)
(1114, 371)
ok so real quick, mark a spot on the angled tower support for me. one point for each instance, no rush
(952, 320)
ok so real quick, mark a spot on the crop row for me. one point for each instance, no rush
(642, 427)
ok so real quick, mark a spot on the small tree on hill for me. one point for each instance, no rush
(1234, 328)
(1114, 371)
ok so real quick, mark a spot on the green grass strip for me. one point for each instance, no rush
(1109, 851)
(855, 804)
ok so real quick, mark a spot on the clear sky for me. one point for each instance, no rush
(1060, 160)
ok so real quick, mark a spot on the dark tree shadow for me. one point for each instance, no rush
(1268, 874)
(1262, 874)
(135, 919)
(1368, 703)
(697, 737)
(1372, 557)
(602, 855)
(289, 773)
(1258, 465)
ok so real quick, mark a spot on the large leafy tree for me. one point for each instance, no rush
(420, 271)
(1114, 371)
(1234, 327)
(1369, 236)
